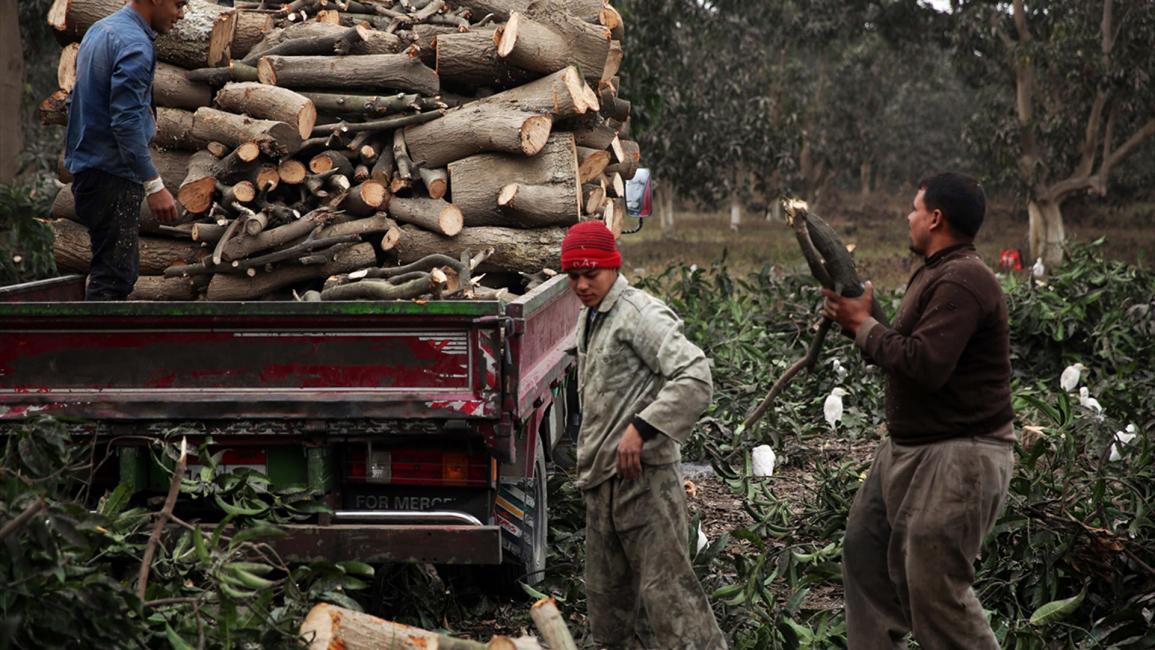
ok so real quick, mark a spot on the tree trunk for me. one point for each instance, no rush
(276, 139)
(540, 205)
(470, 60)
(370, 72)
(434, 215)
(252, 26)
(73, 251)
(562, 94)
(228, 287)
(160, 288)
(554, 45)
(269, 103)
(515, 249)
(1047, 235)
(11, 91)
(473, 129)
(174, 130)
(171, 88)
(477, 181)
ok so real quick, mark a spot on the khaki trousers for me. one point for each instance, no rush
(637, 561)
(912, 538)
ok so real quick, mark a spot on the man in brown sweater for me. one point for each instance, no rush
(938, 483)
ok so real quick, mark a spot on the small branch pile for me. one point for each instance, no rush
(332, 143)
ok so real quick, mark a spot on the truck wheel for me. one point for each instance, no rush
(538, 548)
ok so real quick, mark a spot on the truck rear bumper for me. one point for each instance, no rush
(391, 543)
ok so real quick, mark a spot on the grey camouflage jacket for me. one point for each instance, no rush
(637, 363)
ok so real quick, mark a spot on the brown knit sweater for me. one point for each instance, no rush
(947, 358)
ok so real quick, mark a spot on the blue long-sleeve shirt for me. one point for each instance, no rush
(110, 118)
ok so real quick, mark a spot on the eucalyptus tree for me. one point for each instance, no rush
(1066, 98)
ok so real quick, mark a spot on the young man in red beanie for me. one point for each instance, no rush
(643, 385)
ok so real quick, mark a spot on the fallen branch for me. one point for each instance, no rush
(162, 519)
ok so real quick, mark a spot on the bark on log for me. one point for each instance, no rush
(594, 194)
(235, 71)
(478, 180)
(251, 27)
(365, 199)
(237, 249)
(64, 207)
(66, 68)
(174, 130)
(370, 106)
(160, 288)
(275, 139)
(515, 249)
(172, 167)
(334, 39)
(435, 215)
(269, 103)
(379, 223)
(436, 181)
(70, 19)
(502, 9)
(225, 287)
(201, 39)
(53, 111)
(470, 61)
(376, 41)
(473, 129)
(199, 185)
(73, 252)
(552, 43)
(171, 88)
(327, 160)
(371, 72)
(595, 135)
(562, 94)
(540, 205)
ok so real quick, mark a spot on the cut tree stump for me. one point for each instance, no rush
(473, 129)
(370, 72)
(515, 249)
(562, 94)
(435, 215)
(269, 103)
(477, 181)
(275, 139)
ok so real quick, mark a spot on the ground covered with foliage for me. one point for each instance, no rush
(1070, 563)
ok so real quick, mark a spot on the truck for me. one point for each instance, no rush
(424, 427)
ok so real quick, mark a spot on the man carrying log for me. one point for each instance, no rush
(936, 486)
(110, 124)
(642, 388)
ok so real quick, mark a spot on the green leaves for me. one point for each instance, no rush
(1057, 609)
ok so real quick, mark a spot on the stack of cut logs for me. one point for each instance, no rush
(370, 149)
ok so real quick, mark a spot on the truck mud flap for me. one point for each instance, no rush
(391, 543)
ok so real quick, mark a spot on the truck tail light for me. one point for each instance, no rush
(416, 467)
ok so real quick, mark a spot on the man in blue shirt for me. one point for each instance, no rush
(110, 125)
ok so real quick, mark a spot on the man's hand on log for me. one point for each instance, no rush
(630, 454)
(849, 313)
(163, 206)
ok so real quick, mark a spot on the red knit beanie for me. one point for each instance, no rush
(589, 245)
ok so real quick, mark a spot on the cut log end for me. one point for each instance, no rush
(506, 37)
(534, 134)
(197, 196)
(265, 72)
(451, 220)
(292, 172)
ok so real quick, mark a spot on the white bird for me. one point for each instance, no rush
(703, 541)
(832, 407)
(1088, 402)
(1070, 377)
(763, 460)
(1038, 270)
(839, 371)
(1122, 439)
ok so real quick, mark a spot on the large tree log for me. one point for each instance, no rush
(469, 60)
(328, 626)
(275, 139)
(69, 19)
(227, 287)
(515, 249)
(201, 39)
(160, 288)
(252, 26)
(540, 205)
(371, 72)
(562, 94)
(174, 130)
(66, 68)
(171, 87)
(477, 181)
(435, 215)
(269, 103)
(73, 251)
(199, 185)
(477, 128)
(553, 42)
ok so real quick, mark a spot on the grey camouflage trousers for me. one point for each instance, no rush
(637, 562)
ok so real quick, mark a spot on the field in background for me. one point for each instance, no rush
(879, 235)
